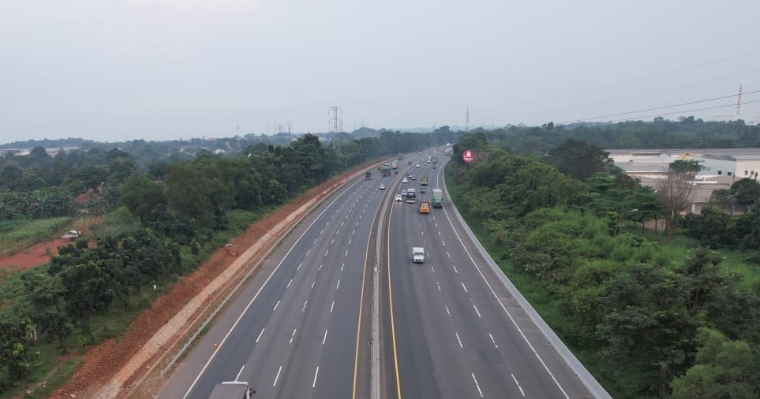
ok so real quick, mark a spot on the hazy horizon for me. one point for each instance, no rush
(169, 69)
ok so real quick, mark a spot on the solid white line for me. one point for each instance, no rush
(447, 311)
(237, 377)
(299, 266)
(276, 305)
(459, 340)
(337, 287)
(518, 385)
(292, 335)
(331, 306)
(304, 306)
(504, 308)
(289, 283)
(465, 288)
(493, 340)
(324, 338)
(476, 384)
(277, 377)
(316, 373)
(259, 337)
(476, 310)
(455, 269)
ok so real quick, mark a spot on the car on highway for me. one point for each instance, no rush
(405, 180)
(414, 177)
(403, 193)
(418, 165)
(398, 198)
(382, 186)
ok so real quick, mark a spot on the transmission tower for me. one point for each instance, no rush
(739, 102)
(336, 125)
(467, 120)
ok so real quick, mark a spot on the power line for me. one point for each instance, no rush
(649, 92)
(690, 110)
(639, 79)
(663, 107)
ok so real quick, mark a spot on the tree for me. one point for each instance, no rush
(724, 369)
(141, 196)
(747, 193)
(579, 159)
(675, 191)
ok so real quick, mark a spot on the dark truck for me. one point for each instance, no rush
(367, 175)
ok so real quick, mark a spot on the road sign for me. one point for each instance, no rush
(467, 156)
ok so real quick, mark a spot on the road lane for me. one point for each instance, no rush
(454, 335)
(277, 344)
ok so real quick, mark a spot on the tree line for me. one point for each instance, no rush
(650, 322)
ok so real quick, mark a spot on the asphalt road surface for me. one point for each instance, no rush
(449, 328)
(455, 332)
(294, 331)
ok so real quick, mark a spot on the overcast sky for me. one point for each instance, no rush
(113, 70)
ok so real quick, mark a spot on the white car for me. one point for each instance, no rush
(398, 198)
(382, 186)
(405, 180)
(418, 165)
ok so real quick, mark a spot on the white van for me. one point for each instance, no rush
(418, 254)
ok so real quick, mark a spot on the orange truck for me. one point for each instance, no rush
(424, 207)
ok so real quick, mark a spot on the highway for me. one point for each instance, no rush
(451, 329)
(294, 331)
(448, 328)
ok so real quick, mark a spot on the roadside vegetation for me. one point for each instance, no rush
(17, 234)
(161, 221)
(668, 314)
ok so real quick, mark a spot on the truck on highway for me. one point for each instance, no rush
(385, 170)
(435, 159)
(437, 198)
(368, 176)
(423, 181)
(418, 254)
(411, 196)
(400, 156)
(424, 207)
(232, 390)
(394, 165)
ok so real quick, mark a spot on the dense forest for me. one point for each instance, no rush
(177, 209)
(648, 320)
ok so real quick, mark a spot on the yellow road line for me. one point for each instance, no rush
(361, 303)
(390, 304)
